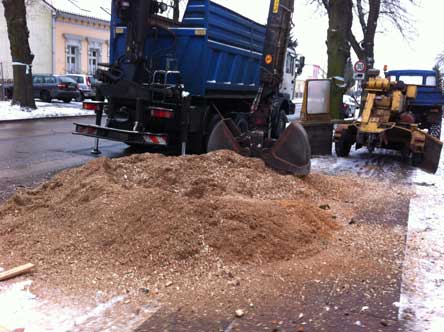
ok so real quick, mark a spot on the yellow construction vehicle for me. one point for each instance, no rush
(386, 123)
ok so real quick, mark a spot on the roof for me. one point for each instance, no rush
(97, 9)
(411, 72)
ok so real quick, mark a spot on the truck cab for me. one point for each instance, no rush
(427, 108)
(291, 71)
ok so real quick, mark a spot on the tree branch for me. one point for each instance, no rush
(361, 16)
(356, 46)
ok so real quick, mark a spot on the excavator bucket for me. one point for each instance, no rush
(432, 154)
(291, 153)
(223, 137)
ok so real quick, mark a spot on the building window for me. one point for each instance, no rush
(73, 59)
(93, 60)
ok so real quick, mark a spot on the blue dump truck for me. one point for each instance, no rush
(427, 108)
(210, 81)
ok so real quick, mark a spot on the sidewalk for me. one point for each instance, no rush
(55, 109)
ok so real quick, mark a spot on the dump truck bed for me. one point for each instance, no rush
(218, 51)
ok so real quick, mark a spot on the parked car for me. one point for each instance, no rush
(349, 106)
(86, 85)
(49, 87)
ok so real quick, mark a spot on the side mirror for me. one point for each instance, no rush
(302, 61)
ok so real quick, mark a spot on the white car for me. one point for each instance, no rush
(350, 105)
(85, 84)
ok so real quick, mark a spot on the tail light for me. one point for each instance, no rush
(162, 113)
(62, 86)
(95, 106)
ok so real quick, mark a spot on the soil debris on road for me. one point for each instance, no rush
(149, 212)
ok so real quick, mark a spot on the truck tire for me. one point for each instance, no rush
(45, 96)
(435, 130)
(280, 125)
(343, 146)
(242, 124)
(67, 100)
(211, 125)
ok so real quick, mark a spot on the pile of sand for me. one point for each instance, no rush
(149, 212)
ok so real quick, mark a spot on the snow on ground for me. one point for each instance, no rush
(20, 309)
(422, 299)
(44, 110)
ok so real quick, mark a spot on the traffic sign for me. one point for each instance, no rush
(360, 67)
(359, 76)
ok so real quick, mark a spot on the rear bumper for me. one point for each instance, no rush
(66, 94)
(118, 135)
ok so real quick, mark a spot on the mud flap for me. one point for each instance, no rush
(432, 155)
(291, 152)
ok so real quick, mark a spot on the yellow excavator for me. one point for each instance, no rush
(387, 123)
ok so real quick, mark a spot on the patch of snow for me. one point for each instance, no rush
(20, 308)
(44, 110)
(384, 165)
(422, 298)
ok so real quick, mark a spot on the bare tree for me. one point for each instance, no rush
(369, 14)
(18, 33)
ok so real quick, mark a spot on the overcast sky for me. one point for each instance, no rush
(391, 49)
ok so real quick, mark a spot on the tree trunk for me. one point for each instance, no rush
(18, 33)
(340, 15)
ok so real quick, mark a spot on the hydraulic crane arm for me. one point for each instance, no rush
(275, 50)
(276, 43)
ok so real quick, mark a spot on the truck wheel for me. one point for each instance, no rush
(45, 96)
(211, 124)
(280, 126)
(242, 124)
(343, 146)
(435, 130)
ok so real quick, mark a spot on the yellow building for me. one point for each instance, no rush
(66, 36)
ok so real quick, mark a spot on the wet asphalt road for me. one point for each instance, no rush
(33, 150)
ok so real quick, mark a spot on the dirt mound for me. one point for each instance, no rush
(147, 212)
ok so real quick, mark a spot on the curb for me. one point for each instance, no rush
(48, 118)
